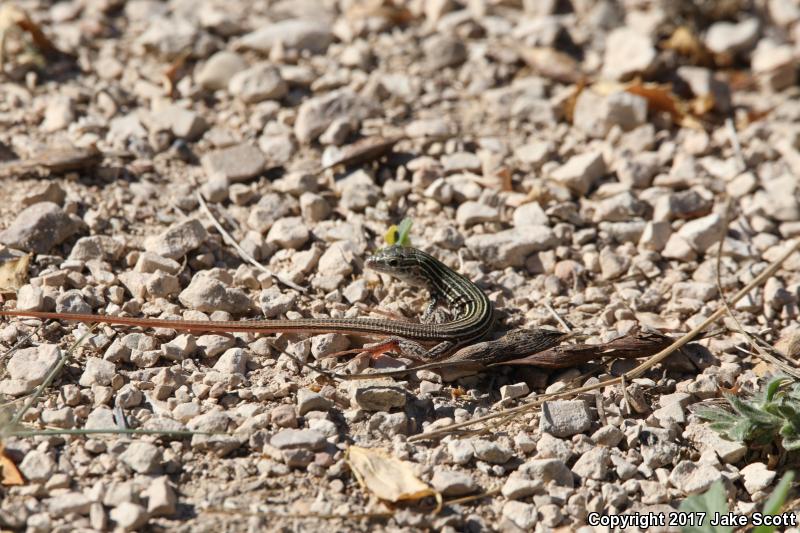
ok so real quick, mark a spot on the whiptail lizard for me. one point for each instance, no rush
(473, 315)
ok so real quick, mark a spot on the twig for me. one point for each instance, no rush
(636, 372)
(759, 351)
(241, 251)
(737, 147)
(557, 317)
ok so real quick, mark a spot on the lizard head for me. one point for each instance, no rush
(404, 263)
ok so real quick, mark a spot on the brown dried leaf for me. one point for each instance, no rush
(11, 15)
(10, 473)
(686, 43)
(13, 272)
(384, 9)
(364, 150)
(385, 476)
(659, 98)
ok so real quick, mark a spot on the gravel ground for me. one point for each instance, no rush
(585, 156)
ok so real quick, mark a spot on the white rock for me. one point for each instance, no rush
(530, 214)
(757, 477)
(693, 478)
(596, 114)
(298, 34)
(258, 83)
(511, 247)
(471, 213)
(522, 515)
(702, 233)
(564, 418)
(97, 371)
(37, 466)
(178, 240)
(452, 482)
(240, 162)
(289, 232)
(216, 73)
(581, 171)
(517, 390)
(142, 457)
(730, 38)
(627, 53)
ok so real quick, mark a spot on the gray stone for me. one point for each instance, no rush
(530, 214)
(216, 73)
(161, 497)
(452, 482)
(511, 247)
(297, 34)
(580, 172)
(37, 466)
(68, 503)
(183, 123)
(596, 114)
(693, 478)
(311, 401)
(491, 452)
(97, 371)
(178, 240)
(39, 228)
(129, 516)
(208, 294)
(522, 515)
(517, 390)
(564, 418)
(28, 368)
(307, 439)
(593, 464)
(549, 446)
(703, 233)
(378, 395)
(471, 213)
(258, 83)
(548, 470)
(240, 162)
(517, 487)
(49, 191)
(142, 457)
(443, 51)
(628, 53)
(289, 232)
(730, 38)
(316, 114)
(706, 439)
(757, 477)
(233, 361)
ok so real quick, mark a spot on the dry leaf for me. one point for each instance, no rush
(659, 98)
(14, 273)
(387, 477)
(11, 15)
(686, 43)
(9, 471)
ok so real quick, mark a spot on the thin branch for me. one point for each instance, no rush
(557, 317)
(737, 147)
(241, 251)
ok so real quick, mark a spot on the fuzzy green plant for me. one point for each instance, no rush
(770, 416)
